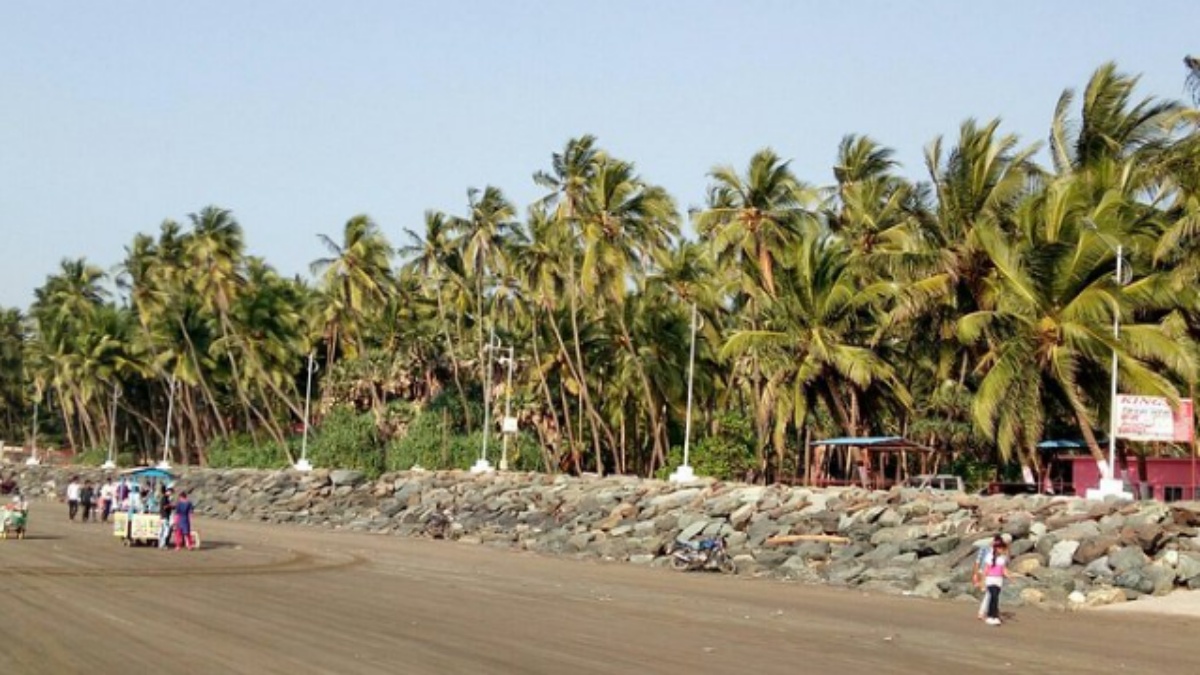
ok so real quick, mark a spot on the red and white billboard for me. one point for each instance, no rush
(1151, 418)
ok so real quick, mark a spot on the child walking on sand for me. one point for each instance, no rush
(995, 571)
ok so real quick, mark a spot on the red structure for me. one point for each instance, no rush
(1168, 479)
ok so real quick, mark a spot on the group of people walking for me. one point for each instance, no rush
(94, 504)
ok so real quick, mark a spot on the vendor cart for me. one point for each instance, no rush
(137, 528)
(133, 524)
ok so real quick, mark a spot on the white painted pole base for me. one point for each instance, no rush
(683, 474)
(164, 465)
(1110, 487)
(417, 468)
(482, 466)
(303, 465)
(109, 465)
(32, 461)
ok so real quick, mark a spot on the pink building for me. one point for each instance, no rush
(1168, 478)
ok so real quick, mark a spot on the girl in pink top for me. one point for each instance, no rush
(995, 571)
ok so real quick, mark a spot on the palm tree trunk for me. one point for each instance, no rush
(581, 370)
(545, 387)
(454, 368)
(212, 401)
(1085, 429)
(651, 408)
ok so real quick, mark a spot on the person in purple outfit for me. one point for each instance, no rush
(183, 522)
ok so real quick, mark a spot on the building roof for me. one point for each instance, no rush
(875, 443)
(1067, 444)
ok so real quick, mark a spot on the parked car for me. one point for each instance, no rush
(942, 482)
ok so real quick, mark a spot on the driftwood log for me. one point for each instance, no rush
(784, 539)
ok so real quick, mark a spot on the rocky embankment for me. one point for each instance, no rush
(1068, 552)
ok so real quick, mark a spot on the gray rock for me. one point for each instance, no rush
(1133, 579)
(346, 477)
(1098, 568)
(1187, 567)
(813, 550)
(1087, 529)
(940, 545)
(691, 531)
(895, 535)
(742, 515)
(1061, 555)
(1126, 558)
(1093, 548)
(844, 572)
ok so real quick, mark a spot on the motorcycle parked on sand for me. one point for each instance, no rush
(702, 554)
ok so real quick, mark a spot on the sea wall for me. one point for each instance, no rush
(1069, 552)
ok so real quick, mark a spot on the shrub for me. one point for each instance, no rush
(241, 451)
(728, 455)
(435, 440)
(92, 457)
(347, 440)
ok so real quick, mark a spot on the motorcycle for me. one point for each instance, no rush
(702, 554)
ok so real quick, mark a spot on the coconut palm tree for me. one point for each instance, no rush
(12, 371)
(1111, 127)
(1047, 321)
(354, 282)
(814, 342)
(752, 219)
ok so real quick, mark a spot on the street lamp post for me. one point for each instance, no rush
(33, 454)
(508, 426)
(111, 462)
(482, 465)
(166, 463)
(1110, 485)
(684, 473)
(303, 464)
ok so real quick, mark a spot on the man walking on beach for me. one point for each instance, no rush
(87, 499)
(73, 497)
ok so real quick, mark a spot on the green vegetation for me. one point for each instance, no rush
(971, 310)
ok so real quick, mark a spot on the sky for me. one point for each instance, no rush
(299, 115)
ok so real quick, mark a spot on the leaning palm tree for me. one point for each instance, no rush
(1047, 320)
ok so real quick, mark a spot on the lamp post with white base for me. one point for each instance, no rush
(684, 473)
(483, 465)
(508, 426)
(1110, 485)
(165, 464)
(33, 453)
(111, 462)
(304, 464)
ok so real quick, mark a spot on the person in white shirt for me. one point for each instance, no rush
(73, 497)
(108, 492)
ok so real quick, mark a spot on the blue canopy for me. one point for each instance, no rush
(148, 472)
(1068, 444)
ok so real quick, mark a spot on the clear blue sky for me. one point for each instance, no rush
(299, 115)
